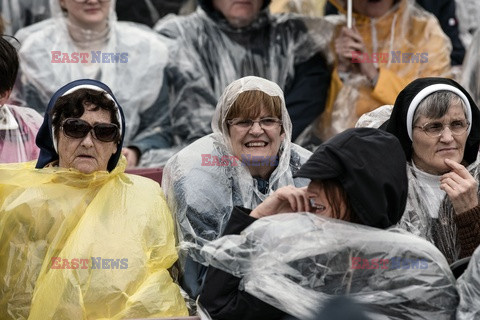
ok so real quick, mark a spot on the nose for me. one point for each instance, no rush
(256, 129)
(87, 141)
(446, 135)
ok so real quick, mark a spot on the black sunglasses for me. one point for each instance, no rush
(78, 128)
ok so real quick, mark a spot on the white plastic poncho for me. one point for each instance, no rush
(78, 246)
(468, 286)
(18, 129)
(296, 262)
(137, 81)
(202, 197)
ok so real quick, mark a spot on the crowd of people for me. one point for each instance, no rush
(320, 160)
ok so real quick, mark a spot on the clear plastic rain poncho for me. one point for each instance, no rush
(17, 14)
(136, 78)
(202, 196)
(207, 54)
(296, 262)
(471, 69)
(468, 286)
(69, 249)
(407, 43)
(426, 215)
(18, 129)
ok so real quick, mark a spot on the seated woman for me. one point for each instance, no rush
(69, 247)
(438, 125)
(83, 39)
(18, 126)
(247, 157)
(378, 57)
(293, 263)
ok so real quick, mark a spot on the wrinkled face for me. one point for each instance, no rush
(89, 15)
(320, 204)
(86, 154)
(372, 8)
(256, 143)
(239, 13)
(429, 153)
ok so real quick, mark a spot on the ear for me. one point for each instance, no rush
(4, 96)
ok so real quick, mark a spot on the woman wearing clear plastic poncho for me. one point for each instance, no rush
(438, 124)
(392, 43)
(271, 262)
(18, 125)
(236, 165)
(85, 40)
(79, 238)
(223, 41)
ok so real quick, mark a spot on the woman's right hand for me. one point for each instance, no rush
(348, 42)
(283, 200)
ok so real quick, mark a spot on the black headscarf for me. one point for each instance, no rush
(45, 136)
(397, 124)
(370, 165)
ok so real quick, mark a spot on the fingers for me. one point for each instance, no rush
(458, 168)
(296, 197)
(460, 186)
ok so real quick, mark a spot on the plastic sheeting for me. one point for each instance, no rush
(468, 286)
(119, 223)
(17, 14)
(401, 52)
(202, 196)
(206, 54)
(136, 77)
(427, 214)
(471, 69)
(18, 129)
(296, 262)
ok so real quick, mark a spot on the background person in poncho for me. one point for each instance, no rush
(123, 55)
(224, 40)
(69, 249)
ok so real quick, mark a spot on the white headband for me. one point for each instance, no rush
(428, 90)
(89, 86)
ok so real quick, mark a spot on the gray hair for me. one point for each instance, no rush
(436, 105)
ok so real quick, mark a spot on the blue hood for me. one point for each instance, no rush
(44, 138)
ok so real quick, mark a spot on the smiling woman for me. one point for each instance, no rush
(251, 123)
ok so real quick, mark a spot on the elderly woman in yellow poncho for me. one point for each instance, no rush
(79, 238)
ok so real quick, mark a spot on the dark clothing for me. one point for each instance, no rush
(221, 295)
(147, 11)
(444, 10)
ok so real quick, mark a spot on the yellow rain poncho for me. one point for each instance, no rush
(78, 246)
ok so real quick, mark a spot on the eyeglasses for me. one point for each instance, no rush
(78, 129)
(435, 129)
(265, 123)
(84, 1)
